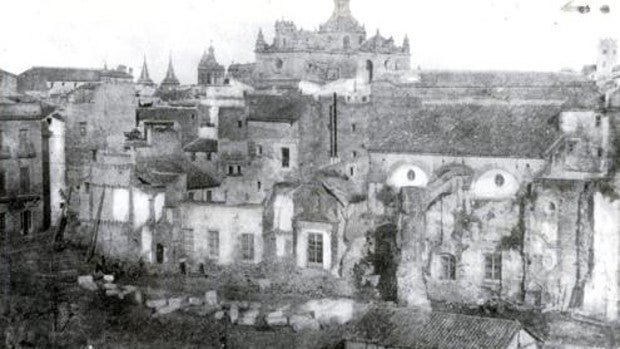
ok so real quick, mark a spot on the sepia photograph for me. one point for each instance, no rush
(312, 174)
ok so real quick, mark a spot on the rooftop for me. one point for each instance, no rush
(466, 128)
(272, 108)
(410, 328)
(202, 145)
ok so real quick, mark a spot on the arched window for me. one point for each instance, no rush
(500, 180)
(411, 175)
(346, 43)
(279, 63)
(387, 64)
(369, 70)
(552, 207)
(159, 253)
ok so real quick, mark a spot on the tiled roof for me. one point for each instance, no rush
(469, 128)
(4, 72)
(65, 74)
(455, 78)
(164, 170)
(270, 108)
(202, 145)
(409, 328)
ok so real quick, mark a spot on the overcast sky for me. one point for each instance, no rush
(444, 34)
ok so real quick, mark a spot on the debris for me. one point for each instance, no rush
(264, 284)
(169, 309)
(156, 303)
(87, 283)
(176, 302)
(110, 286)
(195, 301)
(234, 313)
(327, 311)
(219, 315)
(276, 318)
(211, 298)
(303, 322)
(249, 318)
(112, 293)
(108, 279)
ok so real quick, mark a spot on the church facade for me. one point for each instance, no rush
(339, 49)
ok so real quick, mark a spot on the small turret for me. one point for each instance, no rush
(261, 45)
(406, 48)
(145, 79)
(170, 80)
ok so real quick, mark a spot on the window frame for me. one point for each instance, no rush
(315, 249)
(285, 153)
(493, 267)
(24, 180)
(248, 251)
(213, 244)
(447, 264)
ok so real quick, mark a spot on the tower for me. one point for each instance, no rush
(145, 79)
(607, 55)
(261, 45)
(210, 72)
(170, 81)
(342, 8)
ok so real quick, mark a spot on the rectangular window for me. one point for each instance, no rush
(286, 157)
(448, 267)
(493, 266)
(259, 185)
(193, 157)
(239, 124)
(209, 156)
(247, 247)
(214, 244)
(23, 139)
(83, 129)
(353, 127)
(26, 222)
(87, 187)
(24, 180)
(259, 150)
(209, 196)
(238, 170)
(315, 248)
(94, 155)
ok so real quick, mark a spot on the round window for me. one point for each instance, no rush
(411, 175)
(500, 180)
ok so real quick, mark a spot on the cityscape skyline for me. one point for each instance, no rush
(117, 33)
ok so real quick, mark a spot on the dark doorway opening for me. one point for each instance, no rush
(386, 259)
(159, 254)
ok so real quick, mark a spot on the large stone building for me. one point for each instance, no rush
(8, 83)
(340, 49)
(22, 177)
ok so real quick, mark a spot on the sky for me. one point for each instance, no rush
(444, 34)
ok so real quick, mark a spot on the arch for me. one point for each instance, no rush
(369, 70)
(407, 175)
(279, 63)
(495, 184)
(387, 64)
(346, 42)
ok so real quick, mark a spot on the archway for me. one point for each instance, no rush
(346, 43)
(369, 70)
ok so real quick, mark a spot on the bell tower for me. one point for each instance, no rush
(607, 56)
(342, 8)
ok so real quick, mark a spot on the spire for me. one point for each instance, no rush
(406, 48)
(145, 79)
(260, 41)
(170, 78)
(342, 8)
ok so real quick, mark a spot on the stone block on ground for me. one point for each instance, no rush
(249, 318)
(195, 301)
(264, 284)
(169, 309)
(137, 297)
(87, 282)
(112, 293)
(108, 279)
(219, 315)
(207, 310)
(255, 305)
(276, 318)
(244, 305)
(129, 289)
(327, 311)
(304, 322)
(233, 313)
(110, 286)
(176, 301)
(211, 297)
(156, 303)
